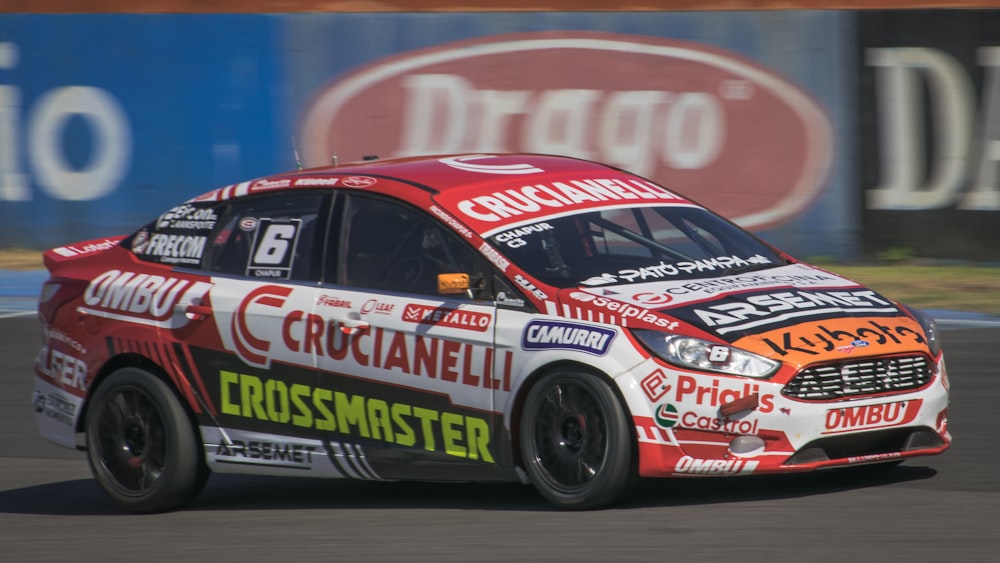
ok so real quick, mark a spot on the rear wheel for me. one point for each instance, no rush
(141, 445)
(576, 440)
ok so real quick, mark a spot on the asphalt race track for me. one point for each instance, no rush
(944, 508)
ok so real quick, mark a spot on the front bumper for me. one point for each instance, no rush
(682, 431)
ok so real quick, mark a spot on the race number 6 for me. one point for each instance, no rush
(273, 247)
(718, 354)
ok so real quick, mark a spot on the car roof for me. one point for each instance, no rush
(432, 174)
(474, 187)
(442, 173)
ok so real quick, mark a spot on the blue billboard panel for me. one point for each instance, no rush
(105, 119)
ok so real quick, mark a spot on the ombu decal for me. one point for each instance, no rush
(868, 417)
(141, 298)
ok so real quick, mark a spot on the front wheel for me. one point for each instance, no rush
(576, 440)
(141, 445)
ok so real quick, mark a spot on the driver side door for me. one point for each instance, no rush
(411, 370)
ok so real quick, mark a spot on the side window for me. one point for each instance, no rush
(270, 237)
(392, 247)
(179, 236)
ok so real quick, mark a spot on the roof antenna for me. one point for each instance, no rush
(334, 160)
(295, 151)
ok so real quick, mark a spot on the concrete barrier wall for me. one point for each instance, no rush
(768, 116)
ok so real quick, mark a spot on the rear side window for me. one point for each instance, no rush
(180, 236)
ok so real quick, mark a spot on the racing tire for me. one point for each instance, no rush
(141, 444)
(576, 440)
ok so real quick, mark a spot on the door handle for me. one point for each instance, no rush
(194, 310)
(199, 310)
(351, 324)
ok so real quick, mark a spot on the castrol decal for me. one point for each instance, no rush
(678, 113)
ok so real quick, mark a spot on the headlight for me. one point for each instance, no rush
(930, 329)
(695, 353)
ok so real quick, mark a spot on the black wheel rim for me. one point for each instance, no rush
(570, 436)
(131, 440)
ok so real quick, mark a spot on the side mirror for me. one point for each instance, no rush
(453, 283)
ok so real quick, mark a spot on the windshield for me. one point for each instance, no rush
(633, 245)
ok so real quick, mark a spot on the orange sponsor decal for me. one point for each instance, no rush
(837, 338)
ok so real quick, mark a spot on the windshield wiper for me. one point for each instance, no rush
(750, 267)
(639, 239)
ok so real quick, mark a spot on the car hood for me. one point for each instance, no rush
(794, 312)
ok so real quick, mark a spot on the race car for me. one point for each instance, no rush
(477, 317)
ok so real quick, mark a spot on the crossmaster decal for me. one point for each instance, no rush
(350, 460)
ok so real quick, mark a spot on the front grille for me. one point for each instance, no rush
(854, 379)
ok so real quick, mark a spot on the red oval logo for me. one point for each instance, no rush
(358, 181)
(725, 131)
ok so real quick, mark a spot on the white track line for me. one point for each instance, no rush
(17, 314)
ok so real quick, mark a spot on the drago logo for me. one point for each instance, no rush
(672, 111)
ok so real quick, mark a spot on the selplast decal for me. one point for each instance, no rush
(681, 114)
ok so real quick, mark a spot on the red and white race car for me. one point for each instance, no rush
(472, 317)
